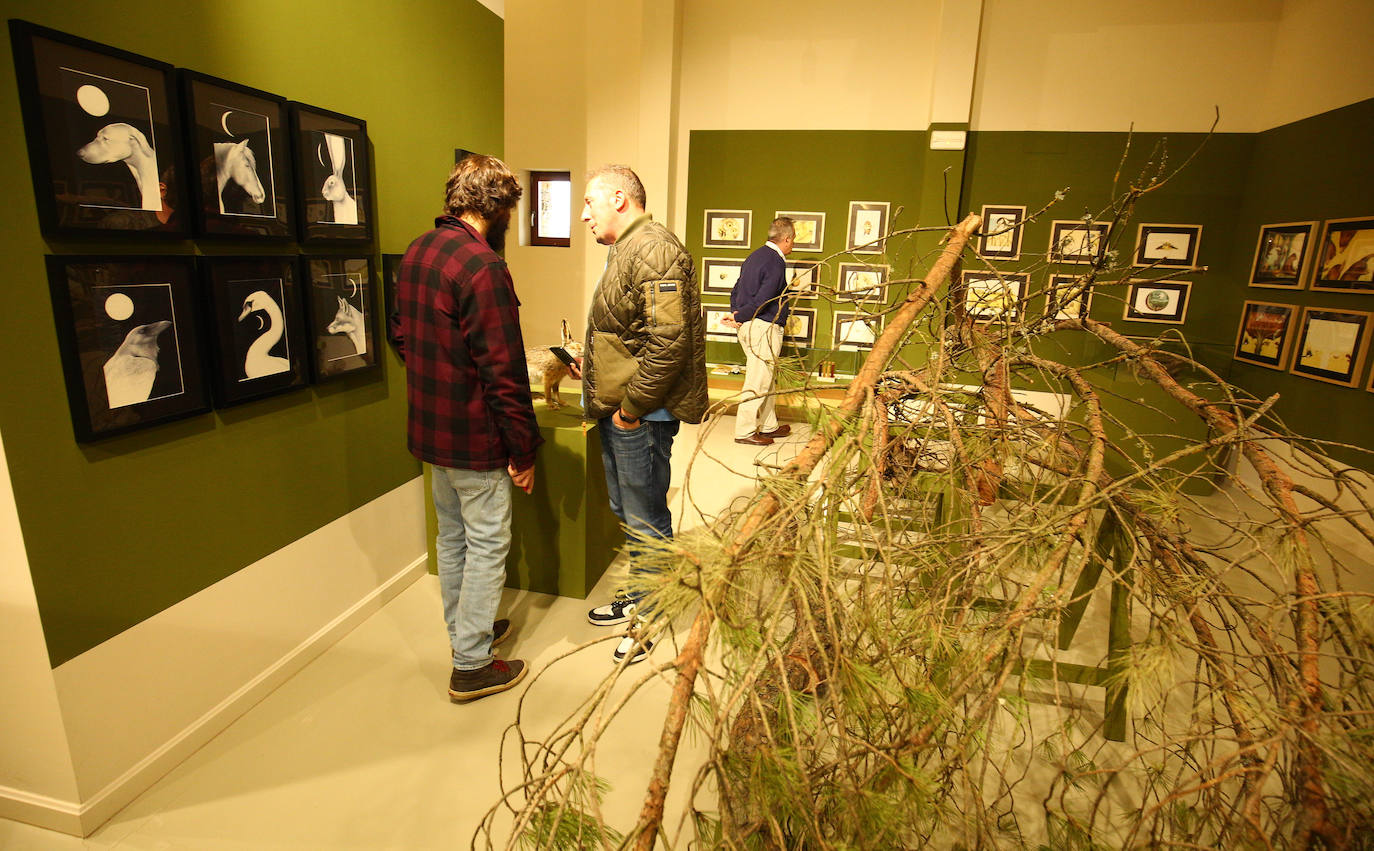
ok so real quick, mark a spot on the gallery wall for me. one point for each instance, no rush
(166, 575)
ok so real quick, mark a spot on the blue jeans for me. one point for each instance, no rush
(637, 477)
(474, 510)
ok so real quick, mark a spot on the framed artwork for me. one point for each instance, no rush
(1068, 297)
(1077, 241)
(727, 228)
(800, 329)
(257, 327)
(719, 274)
(128, 330)
(867, 226)
(1157, 301)
(551, 208)
(715, 330)
(852, 332)
(803, 278)
(1332, 344)
(238, 148)
(999, 238)
(1167, 246)
(1283, 255)
(863, 281)
(391, 266)
(341, 323)
(989, 297)
(1265, 335)
(333, 176)
(104, 136)
(1345, 256)
(809, 227)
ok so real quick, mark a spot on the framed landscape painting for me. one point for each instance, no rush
(128, 329)
(240, 152)
(1345, 256)
(341, 321)
(1283, 255)
(1265, 335)
(104, 135)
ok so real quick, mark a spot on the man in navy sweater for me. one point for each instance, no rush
(759, 309)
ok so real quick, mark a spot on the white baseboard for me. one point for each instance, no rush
(81, 819)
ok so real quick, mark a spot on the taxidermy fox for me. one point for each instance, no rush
(547, 369)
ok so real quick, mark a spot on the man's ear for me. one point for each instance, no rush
(622, 201)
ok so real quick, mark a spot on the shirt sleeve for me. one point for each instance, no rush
(489, 320)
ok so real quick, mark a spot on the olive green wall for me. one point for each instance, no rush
(1314, 169)
(122, 529)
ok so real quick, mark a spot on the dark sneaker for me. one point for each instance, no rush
(634, 647)
(500, 631)
(498, 676)
(616, 612)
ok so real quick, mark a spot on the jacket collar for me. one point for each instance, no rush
(455, 222)
(633, 226)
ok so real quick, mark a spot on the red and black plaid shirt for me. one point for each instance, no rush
(459, 335)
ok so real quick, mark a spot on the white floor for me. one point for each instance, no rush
(363, 749)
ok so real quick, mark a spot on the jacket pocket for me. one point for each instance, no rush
(614, 366)
(663, 303)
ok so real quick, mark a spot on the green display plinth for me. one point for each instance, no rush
(563, 535)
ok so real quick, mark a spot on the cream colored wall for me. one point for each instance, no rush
(1322, 59)
(36, 775)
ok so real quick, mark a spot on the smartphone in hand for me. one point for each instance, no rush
(563, 355)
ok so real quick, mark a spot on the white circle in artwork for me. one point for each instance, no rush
(224, 122)
(93, 100)
(119, 307)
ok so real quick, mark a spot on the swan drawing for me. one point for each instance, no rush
(258, 362)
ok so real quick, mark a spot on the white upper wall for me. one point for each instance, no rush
(1322, 59)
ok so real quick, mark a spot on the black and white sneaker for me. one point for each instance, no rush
(616, 612)
(634, 647)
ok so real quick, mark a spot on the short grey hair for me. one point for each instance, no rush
(621, 177)
(781, 228)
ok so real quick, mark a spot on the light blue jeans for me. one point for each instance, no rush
(474, 510)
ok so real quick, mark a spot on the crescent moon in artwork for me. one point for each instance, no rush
(258, 314)
(224, 122)
(319, 152)
(352, 282)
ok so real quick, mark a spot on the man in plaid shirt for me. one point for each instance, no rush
(458, 331)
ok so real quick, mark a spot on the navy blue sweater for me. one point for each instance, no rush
(759, 293)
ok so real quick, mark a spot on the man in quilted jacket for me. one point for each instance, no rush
(644, 369)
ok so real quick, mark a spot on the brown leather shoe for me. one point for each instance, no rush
(755, 439)
(498, 676)
(500, 631)
(781, 431)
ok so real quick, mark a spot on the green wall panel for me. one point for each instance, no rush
(1315, 169)
(120, 530)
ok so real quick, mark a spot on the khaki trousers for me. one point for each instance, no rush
(761, 341)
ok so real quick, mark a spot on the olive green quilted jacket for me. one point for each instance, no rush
(646, 343)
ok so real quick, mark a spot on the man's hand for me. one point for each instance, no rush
(620, 422)
(575, 368)
(523, 479)
(730, 321)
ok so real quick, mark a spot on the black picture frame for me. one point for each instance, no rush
(238, 144)
(1345, 257)
(333, 176)
(800, 330)
(1165, 302)
(993, 296)
(1163, 246)
(340, 314)
(257, 327)
(803, 278)
(104, 137)
(1077, 241)
(727, 228)
(720, 274)
(1265, 333)
(866, 232)
(1331, 345)
(391, 268)
(1067, 297)
(128, 328)
(1283, 255)
(862, 282)
(999, 236)
(843, 327)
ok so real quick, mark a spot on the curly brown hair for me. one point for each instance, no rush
(481, 185)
